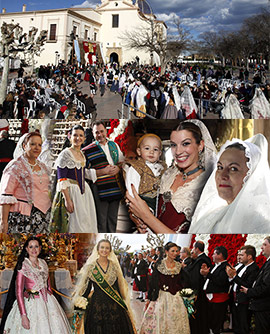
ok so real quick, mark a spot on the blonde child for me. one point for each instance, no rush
(145, 172)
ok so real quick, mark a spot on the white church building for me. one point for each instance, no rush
(104, 26)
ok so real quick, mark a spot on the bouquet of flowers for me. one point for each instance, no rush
(189, 297)
(81, 303)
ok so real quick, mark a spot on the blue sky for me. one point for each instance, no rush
(197, 16)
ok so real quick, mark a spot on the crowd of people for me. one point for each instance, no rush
(187, 91)
(182, 290)
(53, 93)
(184, 91)
(200, 192)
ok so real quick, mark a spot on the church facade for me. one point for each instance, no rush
(105, 26)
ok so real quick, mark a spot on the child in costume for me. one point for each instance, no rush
(145, 172)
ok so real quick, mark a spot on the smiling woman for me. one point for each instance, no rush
(73, 208)
(236, 198)
(107, 311)
(31, 306)
(24, 199)
(181, 185)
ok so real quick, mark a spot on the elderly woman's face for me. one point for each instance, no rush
(231, 170)
(33, 147)
(185, 150)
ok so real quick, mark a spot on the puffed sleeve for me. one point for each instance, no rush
(132, 177)
(63, 181)
(91, 174)
(20, 280)
(8, 185)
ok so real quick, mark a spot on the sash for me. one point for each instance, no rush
(105, 286)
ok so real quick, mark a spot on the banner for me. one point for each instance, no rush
(77, 50)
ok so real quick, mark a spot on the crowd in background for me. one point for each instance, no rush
(225, 291)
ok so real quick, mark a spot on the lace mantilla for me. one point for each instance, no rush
(21, 170)
(38, 275)
(67, 160)
(163, 269)
(110, 276)
(252, 153)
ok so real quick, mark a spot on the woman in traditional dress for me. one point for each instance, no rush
(107, 310)
(165, 311)
(30, 306)
(181, 185)
(72, 192)
(236, 198)
(24, 198)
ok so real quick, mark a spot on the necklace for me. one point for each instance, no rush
(193, 171)
(32, 165)
(76, 150)
(35, 265)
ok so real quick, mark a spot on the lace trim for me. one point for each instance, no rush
(21, 170)
(111, 274)
(63, 184)
(66, 160)
(163, 269)
(8, 199)
(185, 198)
(38, 275)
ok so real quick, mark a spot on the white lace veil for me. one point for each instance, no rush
(19, 147)
(85, 273)
(259, 106)
(232, 109)
(249, 212)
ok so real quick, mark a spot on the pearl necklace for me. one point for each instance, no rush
(32, 166)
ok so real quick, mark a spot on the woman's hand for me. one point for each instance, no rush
(138, 206)
(69, 205)
(141, 227)
(25, 322)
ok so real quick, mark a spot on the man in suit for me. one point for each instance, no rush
(260, 293)
(216, 288)
(7, 147)
(185, 256)
(246, 275)
(199, 324)
(140, 272)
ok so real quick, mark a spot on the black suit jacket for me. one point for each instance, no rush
(142, 268)
(260, 293)
(187, 261)
(218, 280)
(196, 279)
(246, 280)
